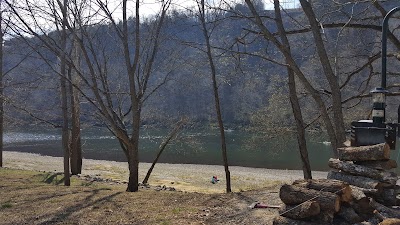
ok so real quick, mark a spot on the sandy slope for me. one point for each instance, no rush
(185, 177)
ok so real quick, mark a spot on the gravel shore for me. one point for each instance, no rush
(184, 177)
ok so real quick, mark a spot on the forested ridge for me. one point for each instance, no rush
(253, 90)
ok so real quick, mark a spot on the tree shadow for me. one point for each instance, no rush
(51, 178)
(62, 216)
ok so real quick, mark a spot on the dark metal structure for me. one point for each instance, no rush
(375, 131)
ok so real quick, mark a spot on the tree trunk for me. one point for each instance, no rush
(305, 210)
(164, 144)
(365, 153)
(133, 150)
(64, 100)
(1, 86)
(333, 186)
(216, 98)
(292, 195)
(76, 148)
(294, 101)
(133, 163)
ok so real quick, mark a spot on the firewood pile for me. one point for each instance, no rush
(359, 190)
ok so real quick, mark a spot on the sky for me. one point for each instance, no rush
(152, 7)
(147, 8)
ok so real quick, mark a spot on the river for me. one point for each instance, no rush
(194, 146)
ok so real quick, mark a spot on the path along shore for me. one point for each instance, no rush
(183, 177)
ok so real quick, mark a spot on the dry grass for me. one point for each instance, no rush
(28, 197)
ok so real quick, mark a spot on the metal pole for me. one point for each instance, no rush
(385, 27)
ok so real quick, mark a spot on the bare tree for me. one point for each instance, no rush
(163, 145)
(300, 126)
(119, 102)
(206, 34)
(138, 68)
(329, 74)
(4, 26)
(291, 62)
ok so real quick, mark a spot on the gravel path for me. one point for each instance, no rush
(185, 177)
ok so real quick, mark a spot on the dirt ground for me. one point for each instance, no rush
(28, 197)
(184, 177)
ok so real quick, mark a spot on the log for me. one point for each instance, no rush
(386, 211)
(280, 220)
(302, 211)
(365, 153)
(293, 195)
(349, 214)
(363, 182)
(358, 170)
(371, 221)
(379, 165)
(325, 217)
(361, 203)
(390, 221)
(340, 221)
(334, 186)
(366, 191)
(388, 197)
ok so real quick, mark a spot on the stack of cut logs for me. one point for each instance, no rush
(360, 190)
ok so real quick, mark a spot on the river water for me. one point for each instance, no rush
(195, 147)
